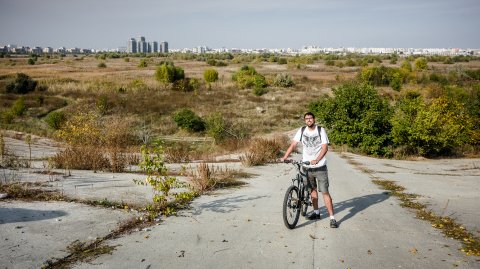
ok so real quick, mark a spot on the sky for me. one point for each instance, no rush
(108, 24)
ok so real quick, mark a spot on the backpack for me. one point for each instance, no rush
(303, 129)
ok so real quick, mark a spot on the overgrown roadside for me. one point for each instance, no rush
(448, 226)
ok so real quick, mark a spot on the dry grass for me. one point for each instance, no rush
(207, 178)
(262, 151)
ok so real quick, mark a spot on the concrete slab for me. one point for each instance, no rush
(33, 232)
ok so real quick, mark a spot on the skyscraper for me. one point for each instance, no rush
(164, 47)
(140, 45)
(132, 46)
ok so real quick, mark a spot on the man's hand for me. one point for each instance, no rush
(313, 162)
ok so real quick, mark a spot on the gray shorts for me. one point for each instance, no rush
(321, 176)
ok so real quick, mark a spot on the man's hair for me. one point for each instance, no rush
(309, 114)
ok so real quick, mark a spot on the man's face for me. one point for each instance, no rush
(309, 120)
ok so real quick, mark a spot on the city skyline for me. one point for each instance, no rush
(242, 24)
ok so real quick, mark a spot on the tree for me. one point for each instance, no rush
(430, 129)
(210, 75)
(356, 116)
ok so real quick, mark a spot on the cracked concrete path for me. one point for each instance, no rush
(243, 228)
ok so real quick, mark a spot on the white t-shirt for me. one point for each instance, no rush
(312, 145)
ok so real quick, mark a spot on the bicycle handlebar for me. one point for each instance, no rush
(296, 162)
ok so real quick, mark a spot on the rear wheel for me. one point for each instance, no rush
(291, 207)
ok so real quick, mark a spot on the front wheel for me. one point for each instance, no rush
(291, 207)
(305, 201)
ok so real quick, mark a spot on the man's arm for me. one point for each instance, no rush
(320, 156)
(293, 145)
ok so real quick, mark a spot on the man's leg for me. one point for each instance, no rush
(328, 203)
(315, 199)
(316, 212)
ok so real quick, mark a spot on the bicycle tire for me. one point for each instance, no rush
(291, 207)
(305, 202)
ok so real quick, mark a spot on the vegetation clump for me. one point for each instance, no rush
(22, 84)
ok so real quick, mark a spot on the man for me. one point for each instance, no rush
(315, 146)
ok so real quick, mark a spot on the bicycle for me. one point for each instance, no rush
(297, 196)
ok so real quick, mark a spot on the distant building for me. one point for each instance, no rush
(48, 50)
(140, 45)
(153, 47)
(132, 46)
(164, 47)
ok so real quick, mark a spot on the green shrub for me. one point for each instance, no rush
(421, 63)
(216, 127)
(186, 85)
(283, 80)
(247, 77)
(329, 62)
(187, 119)
(18, 107)
(102, 65)
(55, 119)
(383, 76)
(7, 116)
(22, 84)
(210, 75)
(431, 129)
(282, 61)
(169, 73)
(258, 91)
(356, 116)
(143, 63)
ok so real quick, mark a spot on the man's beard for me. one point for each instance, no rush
(311, 125)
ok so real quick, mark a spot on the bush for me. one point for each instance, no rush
(187, 119)
(18, 107)
(210, 75)
(356, 116)
(430, 129)
(22, 84)
(247, 77)
(7, 116)
(283, 80)
(55, 119)
(282, 61)
(168, 73)
(186, 85)
(262, 151)
(421, 63)
(216, 127)
(142, 63)
(102, 65)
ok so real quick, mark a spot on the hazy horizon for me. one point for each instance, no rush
(242, 24)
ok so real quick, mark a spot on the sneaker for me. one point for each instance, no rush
(333, 223)
(312, 216)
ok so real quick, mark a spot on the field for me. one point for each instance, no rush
(128, 97)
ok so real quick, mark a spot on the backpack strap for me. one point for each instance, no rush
(303, 130)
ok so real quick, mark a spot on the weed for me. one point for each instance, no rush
(262, 151)
(26, 191)
(208, 178)
(153, 164)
